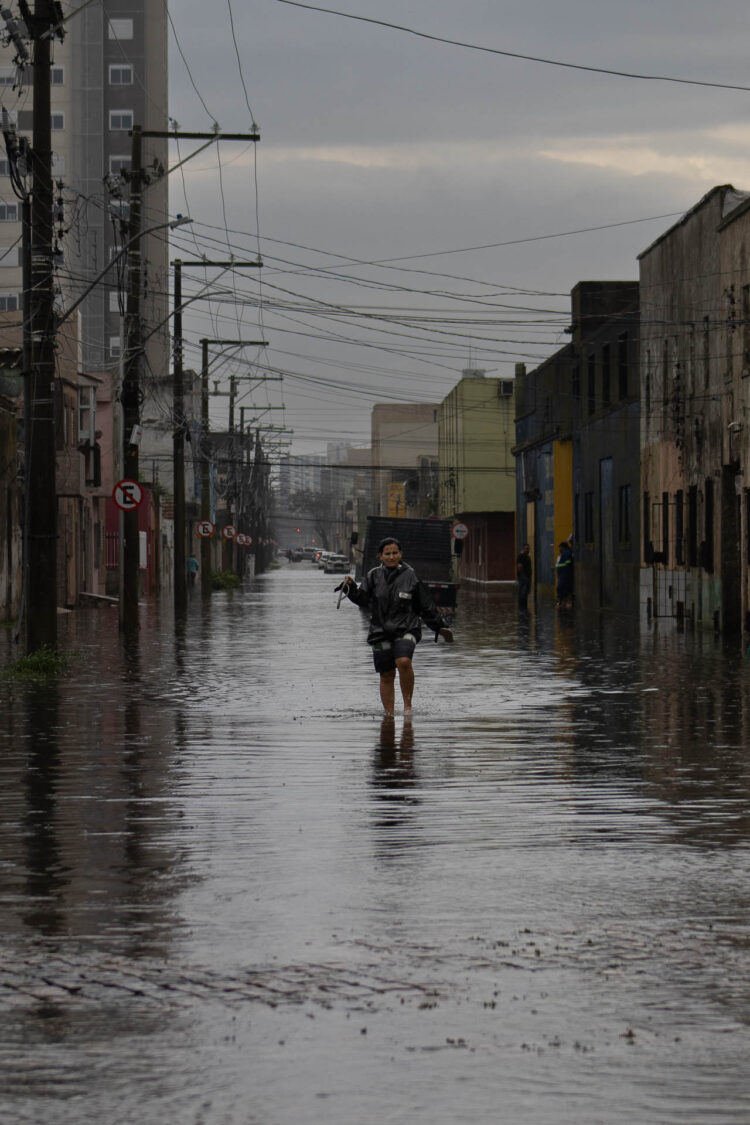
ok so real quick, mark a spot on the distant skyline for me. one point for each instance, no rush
(461, 173)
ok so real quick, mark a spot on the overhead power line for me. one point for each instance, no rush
(515, 54)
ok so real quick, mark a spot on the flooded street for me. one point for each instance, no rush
(231, 894)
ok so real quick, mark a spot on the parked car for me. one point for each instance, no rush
(324, 555)
(336, 564)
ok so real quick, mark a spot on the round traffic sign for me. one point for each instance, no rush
(459, 531)
(127, 495)
(241, 539)
(205, 529)
(229, 531)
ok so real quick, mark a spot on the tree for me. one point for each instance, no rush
(319, 507)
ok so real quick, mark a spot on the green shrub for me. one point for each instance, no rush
(37, 665)
(224, 580)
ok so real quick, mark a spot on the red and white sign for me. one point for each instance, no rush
(459, 531)
(205, 529)
(241, 539)
(127, 495)
(229, 532)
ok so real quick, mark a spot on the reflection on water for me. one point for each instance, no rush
(231, 891)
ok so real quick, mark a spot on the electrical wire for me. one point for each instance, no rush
(513, 54)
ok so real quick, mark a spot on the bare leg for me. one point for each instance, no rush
(388, 691)
(406, 679)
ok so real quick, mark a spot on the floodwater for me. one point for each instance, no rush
(230, 894)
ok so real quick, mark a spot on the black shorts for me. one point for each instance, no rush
(386, 653)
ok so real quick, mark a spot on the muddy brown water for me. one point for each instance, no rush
(231, 894)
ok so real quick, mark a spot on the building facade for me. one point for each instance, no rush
(694, 302)
(477, 473)
(404, 439)
(578, 434)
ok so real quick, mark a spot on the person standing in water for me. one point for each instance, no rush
(398, 603)
(523, 573)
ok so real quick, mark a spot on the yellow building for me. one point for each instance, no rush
(476, 432)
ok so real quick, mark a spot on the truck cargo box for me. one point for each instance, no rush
(426, 546)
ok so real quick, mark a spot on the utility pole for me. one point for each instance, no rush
(205, 475)
(41, 577)
(178, 452)
(178, 444)
(205, 563)
(130, 395)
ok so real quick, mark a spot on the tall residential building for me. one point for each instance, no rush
(109, 73)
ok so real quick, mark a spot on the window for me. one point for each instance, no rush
(4, 167)
(624, 513)
(120, 120)
(665, 527)
(115, 347)
(648, 547)
(576, 383)
(10, 302)
(679, 530)
(114, 301)
(622, 366)
(8, 75)
(8, 212)
(120, 75)
(606, 375)
(86, 415)
(118, 164)
(57, 76)
(693, 525)
(591, 380)
(706, 353)
(708, 515)
(588, 517)
(57, 122)
(120, 29)
(9, 256)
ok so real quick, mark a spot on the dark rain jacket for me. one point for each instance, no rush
(564, 571)
(398, 603)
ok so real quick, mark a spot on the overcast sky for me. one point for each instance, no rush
(381, 146)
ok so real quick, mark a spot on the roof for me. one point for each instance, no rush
(732, 197)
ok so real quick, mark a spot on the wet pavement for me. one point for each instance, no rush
(231, 894)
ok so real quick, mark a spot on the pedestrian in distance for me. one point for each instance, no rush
(564, 575)
(523, 573)
(192, 569)
(398, 604)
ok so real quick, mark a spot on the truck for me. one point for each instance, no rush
(426, 546)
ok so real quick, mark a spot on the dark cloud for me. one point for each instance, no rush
(377, 144)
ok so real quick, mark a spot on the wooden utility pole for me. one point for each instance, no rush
(41, 576)
(180, 427)
(205, 475)
(178, 452)
(205, 563)
(130, 395)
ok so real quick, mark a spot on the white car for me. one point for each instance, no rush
(336, 564)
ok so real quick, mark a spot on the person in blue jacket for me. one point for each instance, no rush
(398, 603)
(564, 574)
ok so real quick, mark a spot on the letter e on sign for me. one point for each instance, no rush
(127, 495)
(205, 529)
